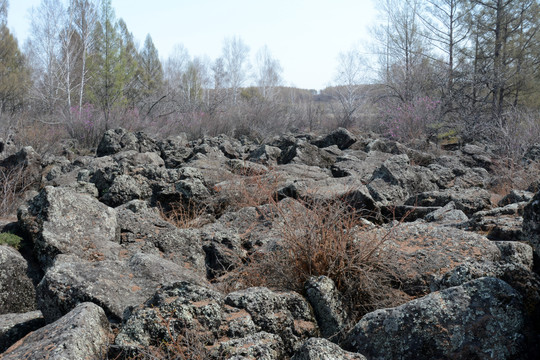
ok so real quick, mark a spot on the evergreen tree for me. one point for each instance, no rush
(107, 65)
(14, 74)
(151, 69)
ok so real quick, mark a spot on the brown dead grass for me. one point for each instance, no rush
(323, 238)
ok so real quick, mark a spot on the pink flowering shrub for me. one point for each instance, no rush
(85, 125)
(412, 120)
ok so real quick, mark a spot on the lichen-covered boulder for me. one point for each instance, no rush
(64, 221)
(419, 253)
(255, 322)
(115, 285)
(480, 319)
(17, 293)
(83, 333)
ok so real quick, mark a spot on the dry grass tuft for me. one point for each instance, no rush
(325, 238)
(13, 183)
(185, 216)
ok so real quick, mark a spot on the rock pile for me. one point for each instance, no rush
(105, 272)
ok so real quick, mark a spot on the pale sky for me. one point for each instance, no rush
(306, 36)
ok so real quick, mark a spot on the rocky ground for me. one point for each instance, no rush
(136, 251)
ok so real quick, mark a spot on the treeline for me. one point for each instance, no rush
(464, 67)
(438, 69)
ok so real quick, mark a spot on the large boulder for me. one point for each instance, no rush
(255, 322)
(325, 299)
(396, 179)
(143, 229)
(469, 200)
(480, 319)
(340, 137)
(115, 285)
(504, 223)
(64, 221)
(419, 254)
(14, 327)
(117, 140)
(81, 334)
(17, 293)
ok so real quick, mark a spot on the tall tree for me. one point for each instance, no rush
(14, 75)
(401, 48)
(85, 17)
(348, 90)
(4, 6)
(507, 31)
(447, 31)
(235, 56)
(268, 72)
(108, 73)
(151, 69)
(43, 51)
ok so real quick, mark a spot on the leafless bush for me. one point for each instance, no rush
(325, 238)
(13, 183)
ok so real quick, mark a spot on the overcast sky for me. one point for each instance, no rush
(306, 36)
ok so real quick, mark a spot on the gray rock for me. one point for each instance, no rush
(395, 180)
(361, 168)
(303, 152)
(174, 151)
(516, 196)
(469, 200)
(117, 140)
(447, 215)
(115, 285)
(17, 293)
(286, 314)
(480, 319)
(63, 221)
(174, 308)
(322, 349)
(81, 334)
(504, 223)
(265, 154)
(340, 137)
(228, 326)
(142, 229)
(533, 153)
(420, 253)
(261, 345)
(126, 188)
(325, 299)
(14, 327)
(531, 223)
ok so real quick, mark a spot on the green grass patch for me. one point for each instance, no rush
(11, 240)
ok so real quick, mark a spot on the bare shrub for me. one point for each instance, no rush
(185, 216)
(13, 183)
(517, 131)
(325, 238)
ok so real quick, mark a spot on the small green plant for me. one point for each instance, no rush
(11, 240)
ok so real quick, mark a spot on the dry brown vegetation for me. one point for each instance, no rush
(13, 183)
